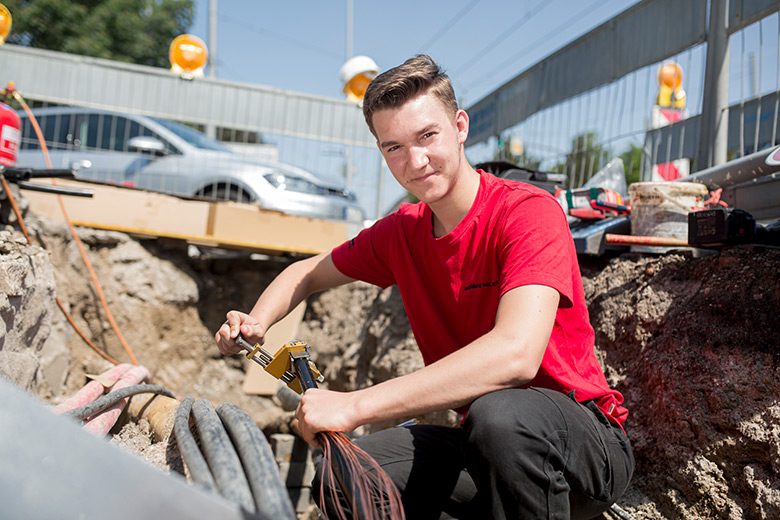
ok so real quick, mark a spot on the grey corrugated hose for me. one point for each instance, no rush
(221, 456)
(270, 493)
(188, 447)
(104, 401)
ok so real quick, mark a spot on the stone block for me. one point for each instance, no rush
(296, 474)
(289, 448)
(19, 368)
(301, 499)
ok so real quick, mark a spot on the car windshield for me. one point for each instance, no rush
(192, 136)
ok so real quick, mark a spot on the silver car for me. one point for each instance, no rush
(160, 155)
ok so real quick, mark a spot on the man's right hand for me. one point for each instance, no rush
(237, 322)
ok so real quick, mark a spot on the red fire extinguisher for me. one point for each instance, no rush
(10, 135)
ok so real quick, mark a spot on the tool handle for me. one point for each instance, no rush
(59, 173)
(24, 174)
(243, 343)
(58, 190)
(302, 370)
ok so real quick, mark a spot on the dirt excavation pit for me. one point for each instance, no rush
(691, 342)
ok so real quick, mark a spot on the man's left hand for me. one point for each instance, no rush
(325, 410)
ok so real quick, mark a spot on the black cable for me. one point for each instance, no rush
(221, 456)
(490, 76)
(269, 492)
(338, 460)
(105, 401)
(222, 470)
(471, 4)
(529, 15)
(188, 448)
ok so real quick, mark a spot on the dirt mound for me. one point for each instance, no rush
(693, 346)
(691, 342)
(166, 304)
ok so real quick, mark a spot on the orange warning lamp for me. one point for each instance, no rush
(356, 74)
(5, 23)
(670, 74)
(670, 92)
(188, 56)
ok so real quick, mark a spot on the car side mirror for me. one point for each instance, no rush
(146, 144)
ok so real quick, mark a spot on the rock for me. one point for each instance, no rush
(26, 303)
(696, 356)
(691, 342)
(54, 367)
(19, 368)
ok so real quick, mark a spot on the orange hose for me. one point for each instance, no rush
(82, 250)
(645, 240)
(81, 334)
(18, 213)
(68, 317)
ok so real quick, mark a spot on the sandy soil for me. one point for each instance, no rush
(691, 342)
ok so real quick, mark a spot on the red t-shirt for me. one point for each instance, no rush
(514, 234)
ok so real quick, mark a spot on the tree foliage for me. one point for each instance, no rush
(632, 163)
(135, 31)
(587, 155)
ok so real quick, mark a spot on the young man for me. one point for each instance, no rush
(489, 278)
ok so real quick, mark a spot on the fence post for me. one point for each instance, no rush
(714, 123)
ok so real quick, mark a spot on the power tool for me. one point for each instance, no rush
(291, 364)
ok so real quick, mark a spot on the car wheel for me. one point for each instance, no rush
(232, 193)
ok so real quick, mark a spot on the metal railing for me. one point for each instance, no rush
(552, 119)
(325, 137)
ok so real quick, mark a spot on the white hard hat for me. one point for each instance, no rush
(358, 65)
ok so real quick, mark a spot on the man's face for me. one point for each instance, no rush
(421, 142)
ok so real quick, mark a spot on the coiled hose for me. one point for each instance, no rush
(268, 490)
(188, 448)
(221, 456)
(105, 401)
(235, 461)
(231, 456)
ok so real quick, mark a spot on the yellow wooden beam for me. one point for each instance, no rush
(209, 223)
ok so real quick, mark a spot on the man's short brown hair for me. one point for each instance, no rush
(414, 77)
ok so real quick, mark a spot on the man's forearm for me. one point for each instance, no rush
(508, 356)
(488, 364)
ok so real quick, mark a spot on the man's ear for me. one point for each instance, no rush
(462, 125)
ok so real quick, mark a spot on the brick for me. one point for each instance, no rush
(289, 448)
(296, 474)
(301, 499)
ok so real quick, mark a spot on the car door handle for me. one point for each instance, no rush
(83, 164)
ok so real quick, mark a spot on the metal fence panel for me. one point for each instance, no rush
(644, 34)
(745, 12)
(326, 137)
(753, 125)
(77, 80)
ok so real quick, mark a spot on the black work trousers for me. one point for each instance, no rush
(521, 454)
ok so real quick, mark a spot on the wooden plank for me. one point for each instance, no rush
(237, 223)
(217, 224)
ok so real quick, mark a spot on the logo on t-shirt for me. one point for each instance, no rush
(482, 285)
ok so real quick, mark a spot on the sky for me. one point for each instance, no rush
(301, 45)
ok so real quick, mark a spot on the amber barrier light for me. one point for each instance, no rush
(6, 20)
(188, 55)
